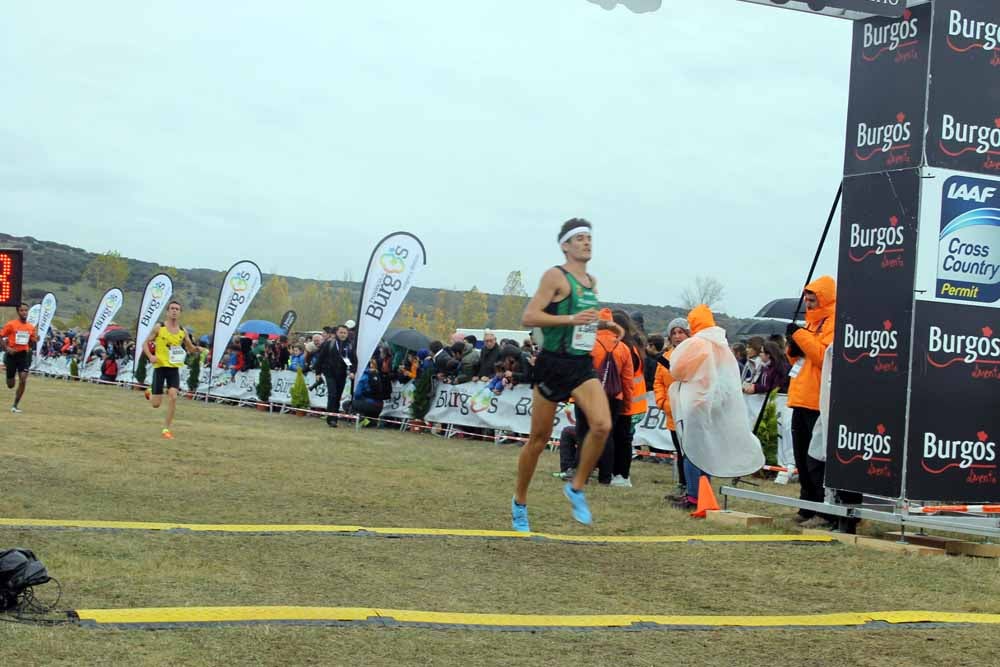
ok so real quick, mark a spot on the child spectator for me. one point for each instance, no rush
(298, 358)
(499, 381)
(235, 361)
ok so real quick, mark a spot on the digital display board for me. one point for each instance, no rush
(11, 265)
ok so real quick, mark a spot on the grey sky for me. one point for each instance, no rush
(705, 137)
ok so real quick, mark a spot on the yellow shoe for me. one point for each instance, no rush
(167, 435)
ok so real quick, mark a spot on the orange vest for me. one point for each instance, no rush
(661, 388)
(639, 405)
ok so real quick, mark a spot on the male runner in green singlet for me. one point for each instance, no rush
(565, 308)
(171, 344)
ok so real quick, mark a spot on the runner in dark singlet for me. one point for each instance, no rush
(565, 309)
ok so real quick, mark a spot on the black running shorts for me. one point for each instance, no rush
(557, 375)
(17, 362)
(166, 375)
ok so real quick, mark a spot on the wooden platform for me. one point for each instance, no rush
(742, 519)
(888, 546)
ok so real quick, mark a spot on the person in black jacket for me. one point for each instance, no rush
(654, 350)
(337, 361)
(488, 357)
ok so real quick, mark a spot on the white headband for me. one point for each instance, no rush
(573, 232)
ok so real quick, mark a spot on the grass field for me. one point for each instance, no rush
(82, 451)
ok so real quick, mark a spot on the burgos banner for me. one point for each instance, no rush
(109, 306)
(48, 311)
(155, 298)
(388, 279)
(240, 286)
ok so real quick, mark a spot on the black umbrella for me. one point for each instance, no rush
(762, 328)
(410, 339)
(782, 309)
(117, 336)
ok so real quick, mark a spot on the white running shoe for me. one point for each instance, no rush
(16, 410)
(622, 482)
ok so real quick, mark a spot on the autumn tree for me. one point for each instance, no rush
(405, 317)
(422, 324)
(704, 290)
(442, 323)
(199, 320)
(272, 301)
(344, 306)
(314, 307)
(107, 270)
(474, 313)
(512, 303)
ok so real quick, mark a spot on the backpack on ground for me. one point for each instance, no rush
(20, 570)
(611, 378)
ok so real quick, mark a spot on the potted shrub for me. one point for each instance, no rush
(264, 385)
(194, 373)
(140, 372)
(300, 394)
(422, 396)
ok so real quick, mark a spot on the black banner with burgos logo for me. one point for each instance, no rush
(876, 273)
(964, 105)
(954, 416)
(885, 114)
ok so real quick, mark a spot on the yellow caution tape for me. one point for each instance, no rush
(346, 614)
(415, 532)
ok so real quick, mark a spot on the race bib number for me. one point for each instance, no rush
(584, 337)
(177, 355)
(21, 337)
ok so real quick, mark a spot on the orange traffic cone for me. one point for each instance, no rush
(706, 498)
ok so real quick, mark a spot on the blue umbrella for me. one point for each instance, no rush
(262, 327)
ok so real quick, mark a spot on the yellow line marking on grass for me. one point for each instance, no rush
(415, 532)
(201, 615)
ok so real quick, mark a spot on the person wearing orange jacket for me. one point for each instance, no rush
(806, 347)
(609, 343)
(678, 331)
(634, 410)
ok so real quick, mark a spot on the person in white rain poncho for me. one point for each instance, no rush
(707, 402)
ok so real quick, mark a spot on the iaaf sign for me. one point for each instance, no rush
(969, 242)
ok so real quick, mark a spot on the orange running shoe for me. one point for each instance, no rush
(147, 393)
(167, 435)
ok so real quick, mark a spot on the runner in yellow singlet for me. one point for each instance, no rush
(171, 344)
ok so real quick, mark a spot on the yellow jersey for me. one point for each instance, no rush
(170, 352)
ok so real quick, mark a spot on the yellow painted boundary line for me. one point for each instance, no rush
(199, 615)
(413, 532)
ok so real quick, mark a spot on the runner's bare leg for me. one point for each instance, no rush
(20, 387)
(543, 413)
(171, 406)
(593, 402)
